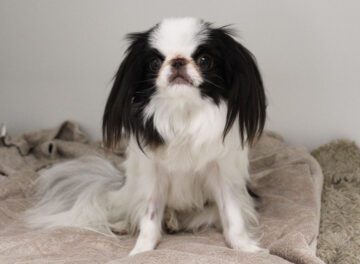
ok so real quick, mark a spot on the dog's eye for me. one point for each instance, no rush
(155, 65)
(205, 62)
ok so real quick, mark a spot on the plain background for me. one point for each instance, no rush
(58, 57)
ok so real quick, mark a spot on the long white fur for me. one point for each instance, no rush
(74, 193)
(196, 176)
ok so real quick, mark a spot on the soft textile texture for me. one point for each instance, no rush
(339, 239)
(287, 179)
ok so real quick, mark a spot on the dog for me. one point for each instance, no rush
(190, 100)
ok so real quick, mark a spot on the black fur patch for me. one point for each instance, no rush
(132, 89)
(236, 79)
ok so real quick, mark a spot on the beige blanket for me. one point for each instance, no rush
(339, 238)
(287, 179)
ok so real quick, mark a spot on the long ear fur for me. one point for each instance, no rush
(119, 111)
(246, 95)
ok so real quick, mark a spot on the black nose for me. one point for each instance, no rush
(178, 63)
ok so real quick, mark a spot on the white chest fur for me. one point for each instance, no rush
(180, 171)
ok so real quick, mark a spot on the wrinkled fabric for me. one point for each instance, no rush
(339, 238)
(286, 178)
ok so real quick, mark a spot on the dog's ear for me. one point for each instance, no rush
(117, 118)
(246, 95)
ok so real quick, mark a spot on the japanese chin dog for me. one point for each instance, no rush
(190, 101)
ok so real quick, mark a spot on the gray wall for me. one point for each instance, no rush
(57, 59)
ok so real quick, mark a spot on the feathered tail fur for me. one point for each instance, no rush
(75, 193)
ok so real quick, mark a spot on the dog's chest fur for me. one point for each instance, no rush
(193, 147)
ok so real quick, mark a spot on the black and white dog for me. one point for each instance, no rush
(190, 100)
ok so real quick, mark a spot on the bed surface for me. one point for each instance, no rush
(287, 179)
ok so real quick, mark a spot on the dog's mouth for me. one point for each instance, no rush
(177, 79)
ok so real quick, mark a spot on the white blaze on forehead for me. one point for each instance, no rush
(178, 36)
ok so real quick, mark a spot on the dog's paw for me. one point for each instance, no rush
(119, 228)
(248, 247)
(143, 244)
(244, 244)
(140, 249)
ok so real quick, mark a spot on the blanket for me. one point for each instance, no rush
(339, 239)
(287, 179)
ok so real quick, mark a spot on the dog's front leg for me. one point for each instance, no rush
(235, 207)
(150, 222)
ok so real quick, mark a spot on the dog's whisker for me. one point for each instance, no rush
(144, 91)
(208, 81)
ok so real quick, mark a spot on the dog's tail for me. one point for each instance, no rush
(75, 193)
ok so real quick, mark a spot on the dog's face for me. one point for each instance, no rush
(184, 61)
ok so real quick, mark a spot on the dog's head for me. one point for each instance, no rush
(184, 61)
